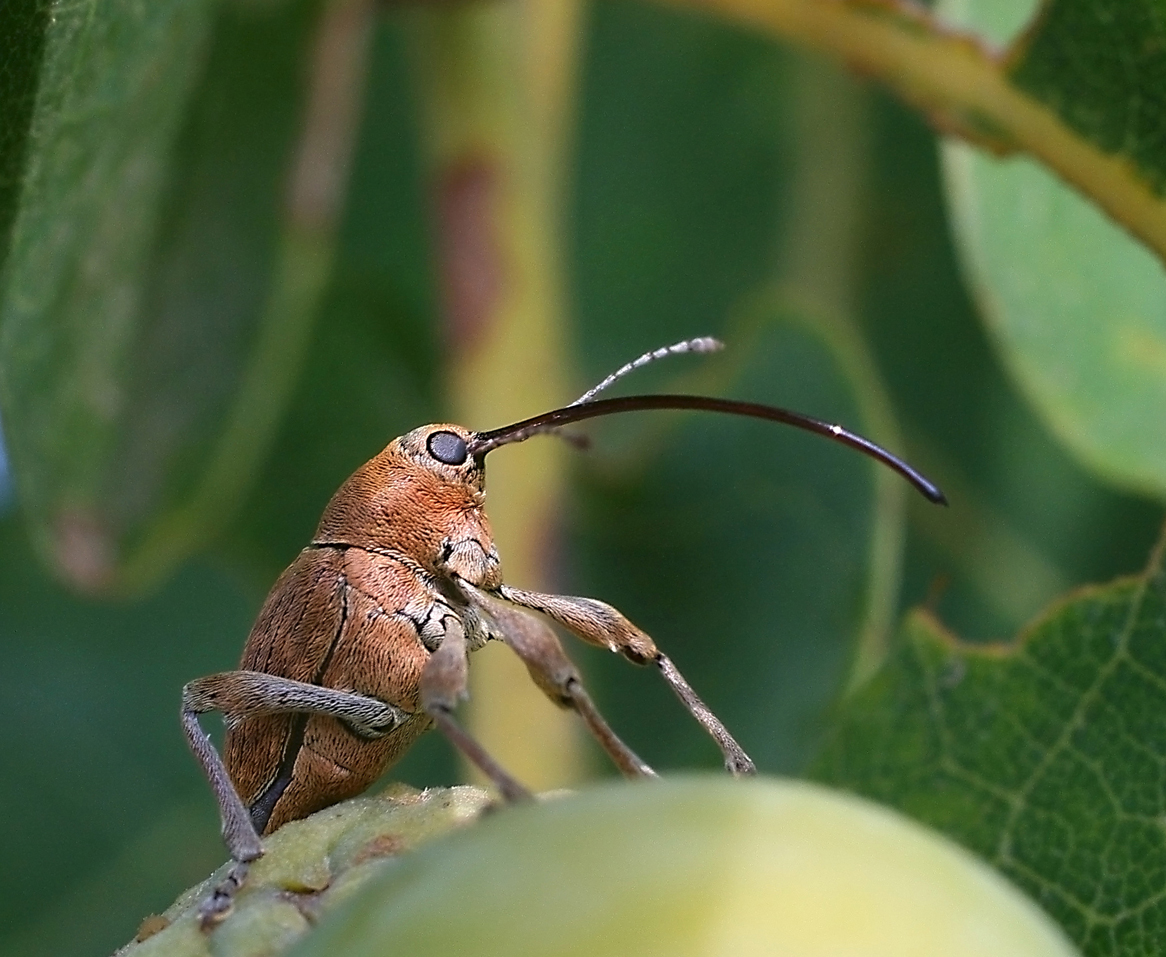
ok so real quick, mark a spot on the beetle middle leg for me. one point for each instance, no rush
(597, 623)
(444, 681)
(241, 694)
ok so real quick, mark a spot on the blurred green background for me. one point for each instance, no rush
(717, 184)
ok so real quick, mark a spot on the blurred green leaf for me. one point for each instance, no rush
(103, 903)
(155, 297)
(1044, 756)
(970, 91)
(677, 203)
(675, 216)
(744, 550)
(23, 26)
(1076, 306)
(96, 770)
(965, 421)
(113, 88)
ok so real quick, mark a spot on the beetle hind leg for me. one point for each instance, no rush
(240, 694)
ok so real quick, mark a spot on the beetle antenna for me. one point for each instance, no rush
(701, 344)
(483, 442)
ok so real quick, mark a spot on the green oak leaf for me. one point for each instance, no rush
(1048, 756)
(1101, 64)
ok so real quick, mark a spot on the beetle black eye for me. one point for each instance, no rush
(447, 447)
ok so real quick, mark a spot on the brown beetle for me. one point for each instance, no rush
(362, 644)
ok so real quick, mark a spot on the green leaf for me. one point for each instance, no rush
(157, 293)
(23, 26)
(743, 549)
(1101, 64)
(113, 86)
(1027, 520)
(1045, 756)
(1075, 305)
(98, 781)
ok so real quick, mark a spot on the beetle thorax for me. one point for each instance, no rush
(429, 511)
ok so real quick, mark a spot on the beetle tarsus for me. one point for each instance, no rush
(737, 762)
(221, 901)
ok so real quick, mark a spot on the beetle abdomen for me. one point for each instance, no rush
(287, 766)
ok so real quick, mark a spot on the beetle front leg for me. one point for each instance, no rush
(240, 694)
(597, 623)
(737, 762)
(443, 685)
(555, 674)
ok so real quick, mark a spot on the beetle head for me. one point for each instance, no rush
(422, 496)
